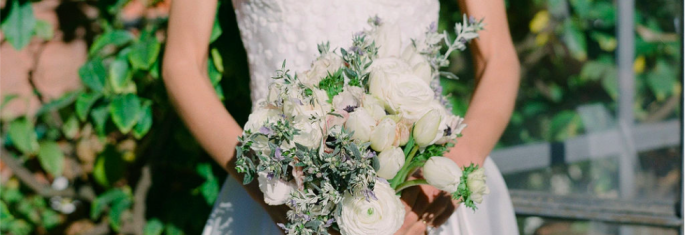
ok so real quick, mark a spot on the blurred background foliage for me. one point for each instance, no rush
(112, 157)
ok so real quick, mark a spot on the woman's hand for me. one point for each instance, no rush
(425, 206)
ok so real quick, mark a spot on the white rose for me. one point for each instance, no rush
(426, 129)
(388, 40)
(402, 93)
(383, 136)
(361, 123)
(391, 161)
(321, 67)
(442, 173)
(418, 63)
(309, 133)
(476, 183)
(374, 107)
(261, 116)
(380, 216)
(276, 191)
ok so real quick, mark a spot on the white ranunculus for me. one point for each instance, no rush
(426, 129)
(476, 183)
(309, 133)
(361, 123)
(442, 173)
(388, 40)
(401, 92)
(418, 63)
(261, 116)
(374, 107)
(276, 191)
(321, 67)
(380, 216)
(391, 161)
(383, 135)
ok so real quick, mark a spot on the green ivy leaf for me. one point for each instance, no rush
(125, 110)
(111, 196)
(153, 227)
(23, 136)
(115, 37)
(565, 124)
(19, 25)
(218, 61)
(593, 70)
(44, 30)
(99, 115)
(610, 83)
(661, 80)
(210, 188)
(5, 214)
(144, 121)
(84, 102)
(119, 74)
(50, 219)
(51, 157)
(144, 53)
(219, 91)
(93, 74)
(575, 40)
(582, 7)
(216, 31)
(109, 167)
(213, 73)
(118, 207)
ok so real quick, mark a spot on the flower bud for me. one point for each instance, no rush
(391, 161)
(427, 128)
(361, 123)
(383, 135)
(442, 173)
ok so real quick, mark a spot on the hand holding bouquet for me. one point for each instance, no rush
(337, 143)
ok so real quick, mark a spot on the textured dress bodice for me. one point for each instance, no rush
(277, 30)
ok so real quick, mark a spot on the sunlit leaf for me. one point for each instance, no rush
(23, 136)
(213, 73)
(210, 188)
(661, 80)
(218, 61)
(125, 110)
(19, 25)
(70, 127)
(84, 102)
(144, 121)
(51, 157)
(144, 53)
(93, 74)
(216, 30)
(114, 37)
(153, 227)
(109, 167)
(100, 114)
(5, 214)
(119, 74)
(575, 41)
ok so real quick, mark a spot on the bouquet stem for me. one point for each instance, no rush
(410, 183)
(403, 173)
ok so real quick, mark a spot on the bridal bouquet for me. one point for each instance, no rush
(337, 143)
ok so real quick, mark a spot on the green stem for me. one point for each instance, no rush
(410, 184)
(402, 173)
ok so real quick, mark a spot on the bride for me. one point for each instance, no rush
(274, 30)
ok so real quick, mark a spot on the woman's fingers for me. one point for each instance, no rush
(440, 205)
(441, 218)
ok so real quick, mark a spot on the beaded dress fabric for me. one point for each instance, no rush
(276, 30)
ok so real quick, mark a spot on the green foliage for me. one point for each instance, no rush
(20, 24)
(333, 84)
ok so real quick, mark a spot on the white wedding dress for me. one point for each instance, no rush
(274, 30)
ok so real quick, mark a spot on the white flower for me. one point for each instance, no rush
(442, 173)
(383, 136)
(426, 129)
(401, 92)
(309, 132)
(374, 107)
(261, 116)
(347, 98)
(402, 133)
(361, 123)
(418, 63)
(321, 98)
(381, 215)
(388, 40)
(391, 161)
(321, 67)
(450, 125)
(476, 183)
(276, 191)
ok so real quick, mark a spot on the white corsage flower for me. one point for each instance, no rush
(276, 191)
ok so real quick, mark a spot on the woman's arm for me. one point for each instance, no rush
(497, 82)
(186, 80)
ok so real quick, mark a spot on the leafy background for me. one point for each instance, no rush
(112, 156)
